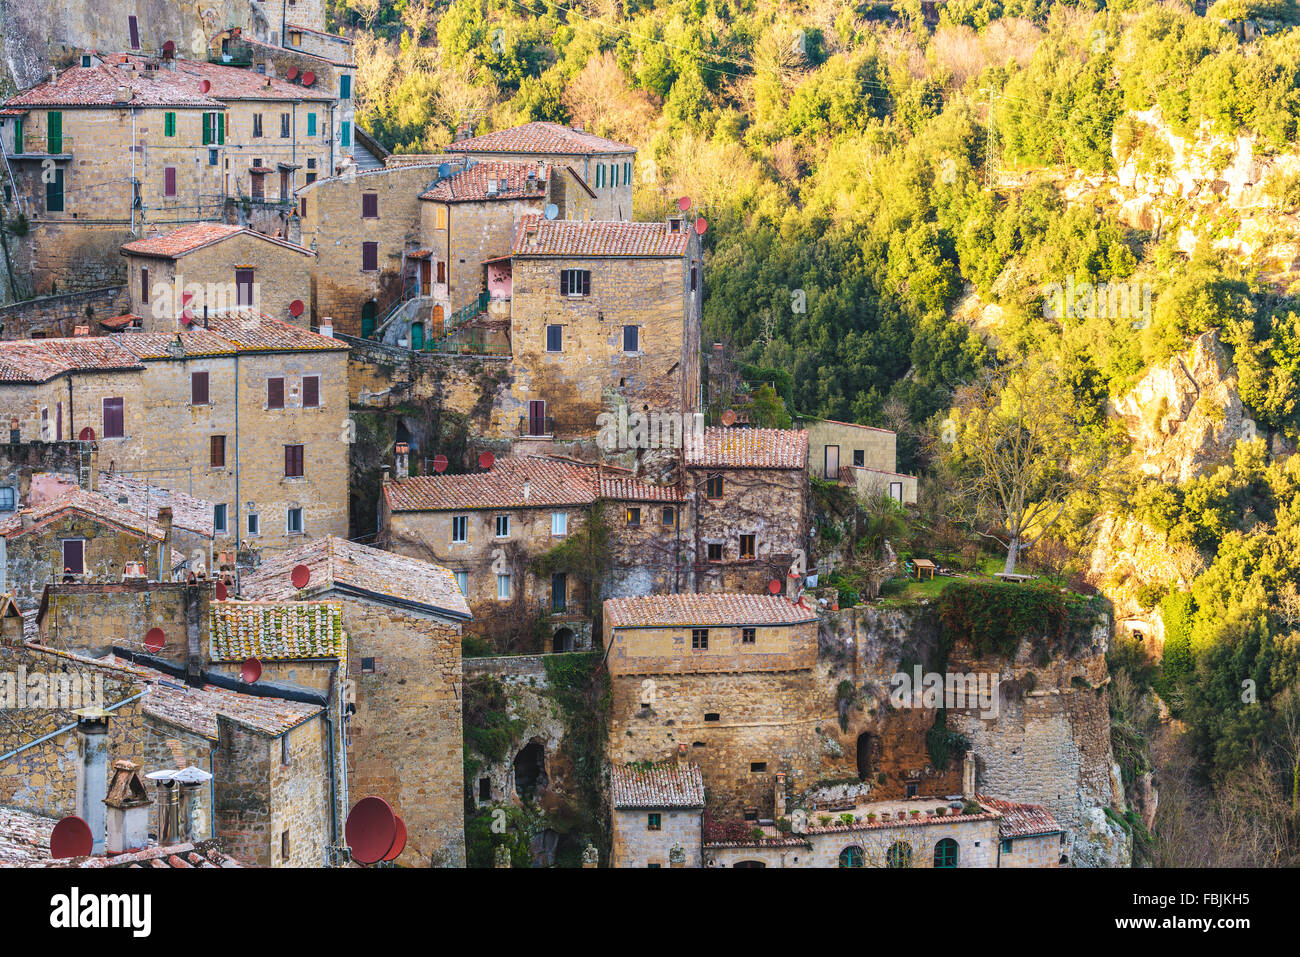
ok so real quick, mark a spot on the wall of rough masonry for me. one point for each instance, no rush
(300, 797)
(34, 558)
(1043, 850)
(243, 786)
(92, 619)
(58, 316)
(27, 465)
(633, 844)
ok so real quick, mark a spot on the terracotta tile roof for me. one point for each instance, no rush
(98, 86)
(276, 629)
(667, 784)
(184, 240)
(624, 487)
(1022, 820)
(188, 512)
(852, 425)
(39, 360)
(704, 610)
(254, 332)
(540, 137)
(175, 345)
(24, 837)
(336, 563)
(749, 449)
(91, 504)
(184, 856)
(471, 185)
(535, 236)
(235, 83)
(922, 820)
(549, 483)
(121, 322)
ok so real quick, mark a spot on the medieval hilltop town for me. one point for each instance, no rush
(336, 475)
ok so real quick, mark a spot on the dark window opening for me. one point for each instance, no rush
(748, 635)
(713, 486)
(700, 640)
(367, 666)
(757, 767)
(530, 770)
(713, 716)
(485, 789)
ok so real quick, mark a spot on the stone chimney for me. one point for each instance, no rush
(778, 811)
(327, 327)
(462, 133)
(128, 810)
(385, 478)
(165, 523)
(681, 756)
(401, 460)
(92, 771)
(968, 776)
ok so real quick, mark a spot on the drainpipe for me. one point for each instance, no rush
(333, 760)
(238, 526)
(212, 792)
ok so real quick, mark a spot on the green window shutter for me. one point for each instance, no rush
(311, 124)
(18, 134)
(345, 87)
(347, 133)
(627, 172)
(54, 193)
(207, 129)
(169, 124)
(221, 129)
(54, 131)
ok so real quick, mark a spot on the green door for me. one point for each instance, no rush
(368, 320)
(417, 335)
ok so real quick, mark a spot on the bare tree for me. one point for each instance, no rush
(1020, 456)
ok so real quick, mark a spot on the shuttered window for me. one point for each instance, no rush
(275, 392)
(311, 124)
(114, 418)
(198, 388)
(575, 282)
(169, 124)
(169, 181)
(217, 456)
(54, 192)
(54, 131)
(293, 461)
(369, 205)
(310, 391)
(369, 257)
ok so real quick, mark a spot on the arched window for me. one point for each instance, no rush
(851, 856)
(899, 855)
(945, 853)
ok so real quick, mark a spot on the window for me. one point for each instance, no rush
(254, 524)
(440, 217)
(302, 200)
(1005, 846)
(293, 521)
(367, 666)
(311, 124)
(559, 524)
(169, 124)
(198, 388)
(910, 791)
(503, 526)
(293, 461)
(715, 551)
(311, 392)
(631, 338)
(212, 157)
(462, 582)
(244, 287)
(284, 126)
(295, 36)
(8, 498)
(627, 172)
(460, 528)
(369, 205)
(700, 640)
(899, 855)
(54, 132)
(575, 282)
(284, 846)
(74, 555)
(214, 129)
(345, 87)
(713, 486)
(503, 587)
(945, 853)
(695, 278)
(851, 856)
(284, 748)
(217, 452)
(144, 288)
(652, 822)
(712, 716)
(748, 636)
(219, 518)
(133, 28)
(859, 458)
(18, 134)
(370, 257)
(275, 392)
(54, 191)
(345, 133)
(746, 548)
(757, 767)
(257, 128)
(634, 518)
(668, 516)
(554, 338)
(114, 418)
(485, 789)
(559, 592)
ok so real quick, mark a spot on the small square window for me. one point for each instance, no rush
(634, 518)
(1005, 846)
(367, 666)
(712, 716)
(8, 499)
(653, 822)
(460, 528)
(859, 458)
(715, 551)
(757, 767)
(503, 526)
(748, 636)
(254, 524)
(631, 338)
(559, 524)
(669, 516)
(700, 639)
(293, 521)
(713, 486)
(219, 518)
(746, 548)
(911, 791)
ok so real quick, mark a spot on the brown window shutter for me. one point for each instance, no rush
(218, 459)
(275, 393)
(310, 392)
(198, 388)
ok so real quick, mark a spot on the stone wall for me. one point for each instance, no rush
(773, 505)
(300, 796)
(635, 845)
(92, 619)
(58, 316)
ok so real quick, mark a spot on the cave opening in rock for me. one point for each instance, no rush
(530, 770)
(868, 749)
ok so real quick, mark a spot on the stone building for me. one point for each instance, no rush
(655, 816)
(177, 278)
(753, 507)
(858, 455)
(729, 678)
(403, 619)
(494, 528)
(249, 413)
(1029, 835)
(605, 166)
(602, 315)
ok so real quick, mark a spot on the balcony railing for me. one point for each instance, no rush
(538, 427)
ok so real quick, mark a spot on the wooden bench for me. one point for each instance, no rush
(1012, 577)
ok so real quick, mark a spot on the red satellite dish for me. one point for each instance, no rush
(371, 830)
(774, 586)
(440, 463)
(250, 670)
(308, 78)
(729, 418)
(169, 47)
(399, 842)
(700, 226)
(486, 460)
(300, 576)
(71, 837)
(222, 591)
(187, 317)
(154, 639)
(293, 73)
(87, 434)
(295, 308)
(204, 86)
(684, 203)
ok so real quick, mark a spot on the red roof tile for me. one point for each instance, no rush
(91, 504)
(235, 83)
(471, 185)
(540, 137)
(188, 512)
(254, 332)
(97, 86)
(704, 610)
(1022, 820)
(39, 360)
(195, 236)
(667, 784)
(749, 449)
(535, 236)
